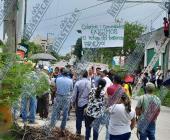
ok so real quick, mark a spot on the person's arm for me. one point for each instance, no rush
(74, 95)
(112, 109)
(71, 86)
(133, 123)
(138, 107)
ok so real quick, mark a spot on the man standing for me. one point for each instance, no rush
(166, 27)
(148, 109)
(64, 88)
(104, 75)
(159, 77)
(80, 98)
(43, 100)
(91, 78)
(97, 76)
(28, 100)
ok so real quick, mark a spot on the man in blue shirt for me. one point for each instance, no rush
(64, 88)
(80, 98)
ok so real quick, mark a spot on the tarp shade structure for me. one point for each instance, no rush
(43, 56)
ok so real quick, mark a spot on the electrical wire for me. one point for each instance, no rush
(93, 16)
(92, 6)
(53, 18)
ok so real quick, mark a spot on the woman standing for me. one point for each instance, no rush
(122, 119)
(95, 108)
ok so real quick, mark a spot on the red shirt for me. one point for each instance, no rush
(166, 26)
(112, 89)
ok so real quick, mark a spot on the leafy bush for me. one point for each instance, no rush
(12, 82)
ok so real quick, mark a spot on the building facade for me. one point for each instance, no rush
(157, 37)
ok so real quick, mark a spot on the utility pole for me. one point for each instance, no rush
(49, 47)
(25, 15)
(10, 27)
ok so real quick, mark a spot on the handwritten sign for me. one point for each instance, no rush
(102, 35)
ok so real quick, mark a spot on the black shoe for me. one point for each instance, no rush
(78, 134)
(32, 122)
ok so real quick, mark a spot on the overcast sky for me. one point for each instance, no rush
(134, 12)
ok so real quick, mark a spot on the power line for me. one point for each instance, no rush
(139, 1)
(92, 6)
(87, 9)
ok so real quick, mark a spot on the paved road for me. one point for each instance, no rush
(162, 132)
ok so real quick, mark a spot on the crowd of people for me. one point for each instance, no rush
(154, 76)
(96, 95)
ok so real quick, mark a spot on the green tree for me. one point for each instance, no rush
(132, 32)
(78, 48)
(32, 47)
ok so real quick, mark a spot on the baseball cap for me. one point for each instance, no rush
(150, 87)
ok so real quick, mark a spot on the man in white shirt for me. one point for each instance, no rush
(159, 77)
(91, 77)
(104, 75)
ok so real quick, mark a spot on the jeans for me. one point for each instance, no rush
(31, 110)
(149, 132)
(125, 136)
(107, 137)
(79, 118)
(62, 103)
(89, 124)
(159, 83)
(88, 133)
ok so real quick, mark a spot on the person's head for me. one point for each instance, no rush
(150, 88)
(165, 19)
(152, 71)
(61, 70)
(146, 74)
(98, 71)
(117, 79)
(126, 101)
(100, 86)
(84, 73)
(90, 71)
(104, 73)
(159, 67)
(65, 72)
(56, 70)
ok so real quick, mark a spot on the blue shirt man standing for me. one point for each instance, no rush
(80, 97)
(64, 86)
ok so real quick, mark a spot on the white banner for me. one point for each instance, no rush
(102, 36)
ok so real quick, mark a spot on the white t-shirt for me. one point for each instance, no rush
(108, 83)
(120, 120)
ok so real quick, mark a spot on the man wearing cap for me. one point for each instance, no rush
(148, 109)
(64, 88)
(80, 98)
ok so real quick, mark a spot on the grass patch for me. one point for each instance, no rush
(166, 101)
(7, 137)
